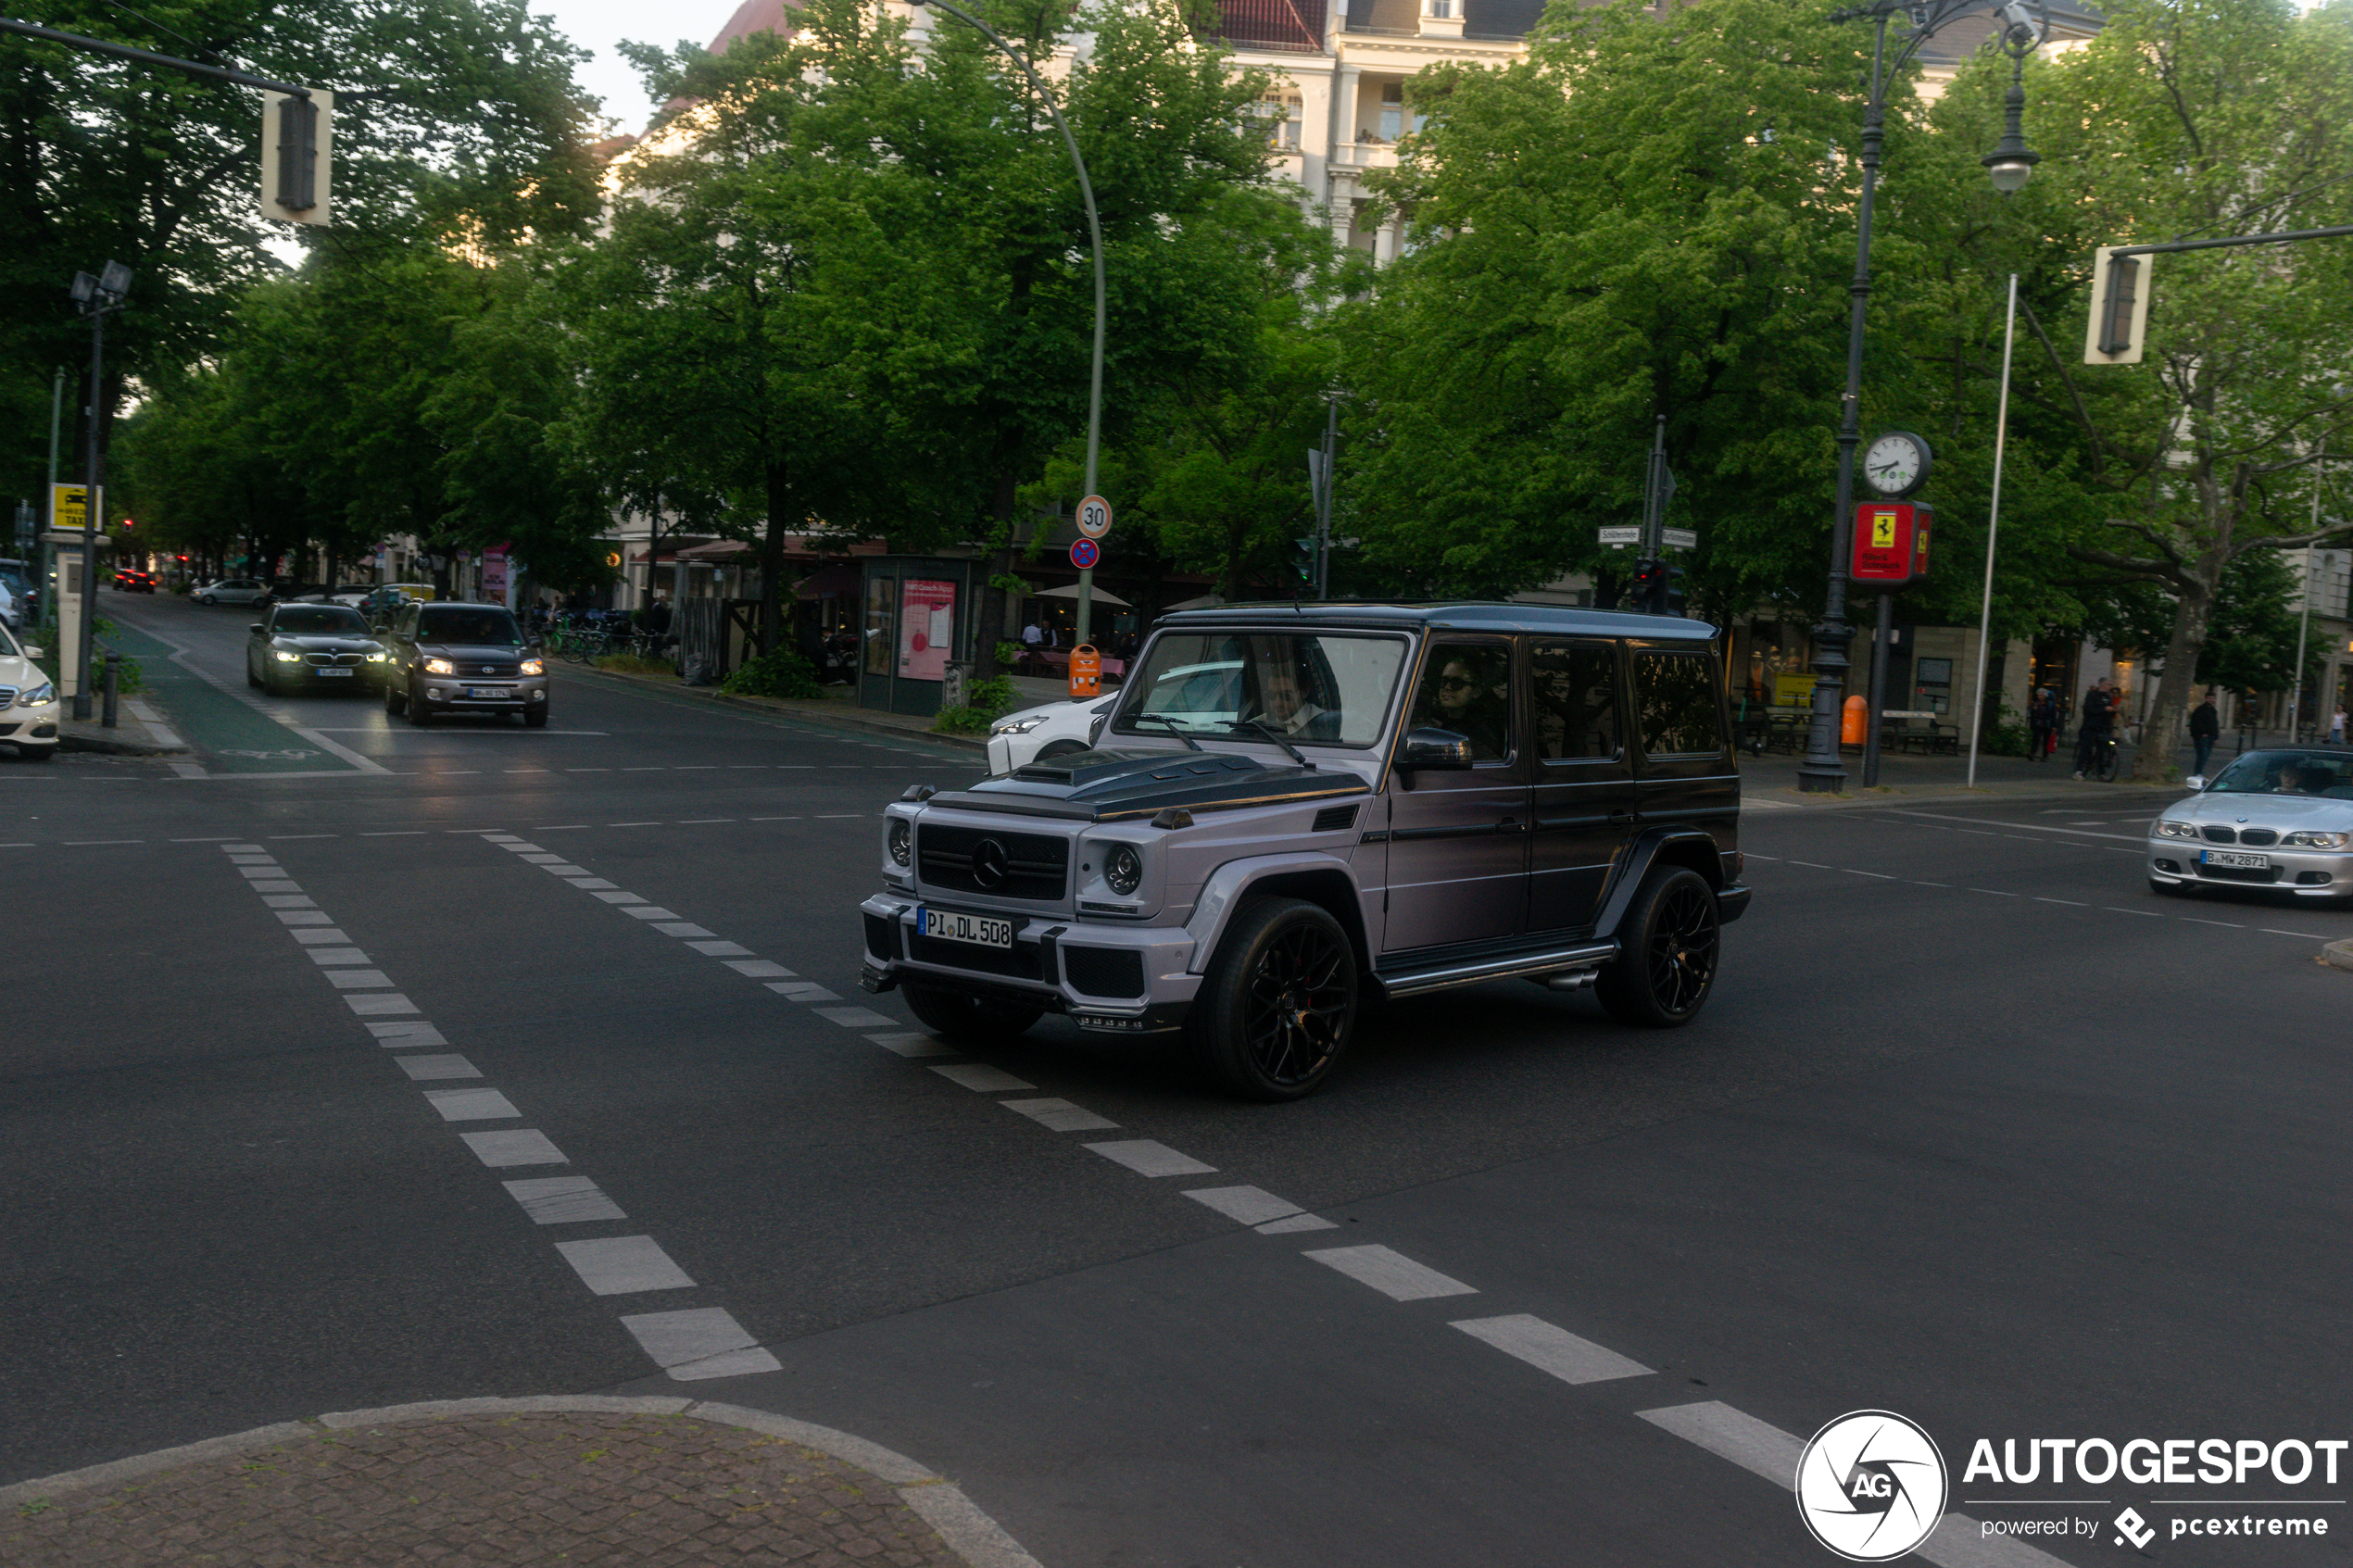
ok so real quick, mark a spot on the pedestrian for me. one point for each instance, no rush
(2041, 725)
(2094, 726)
(2206, 725)
(2336, 727)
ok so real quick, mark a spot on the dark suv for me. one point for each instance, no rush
(1295, 809)
(463, 658)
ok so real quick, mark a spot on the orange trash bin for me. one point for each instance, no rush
(1853, 720)
(1086, 672)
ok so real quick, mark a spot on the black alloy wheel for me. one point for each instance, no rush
(1668, 947)
(1276, 1011)
(968, 1020)
(395, 695)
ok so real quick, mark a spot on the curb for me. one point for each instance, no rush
(940, 1503)
(853, 719)
(70, 740)
(2338, 955)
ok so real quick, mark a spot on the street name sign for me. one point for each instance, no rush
(1618, 535)
(1678, 538)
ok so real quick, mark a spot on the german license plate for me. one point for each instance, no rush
(2239, 858)
(488, 693)
(954, 925)
(332, 674)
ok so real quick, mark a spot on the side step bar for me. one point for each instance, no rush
(1415, 982)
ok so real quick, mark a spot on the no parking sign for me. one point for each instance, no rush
(1084, 554)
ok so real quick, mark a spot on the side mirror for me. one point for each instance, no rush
(34, 650)
(2196, 781)
(256, 626)
(1436, 749)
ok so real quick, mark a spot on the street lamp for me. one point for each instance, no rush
(96, 299)
(1095, 234)
(2009, 167)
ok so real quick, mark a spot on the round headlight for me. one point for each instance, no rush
(902, 842)
(2167, 829)
(1122, 869)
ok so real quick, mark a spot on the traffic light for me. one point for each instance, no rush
(2120, 308)
(297, 155)
(1649, 591)
(1302, 560)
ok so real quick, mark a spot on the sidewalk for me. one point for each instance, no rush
(1772, 778)
(571, 1480)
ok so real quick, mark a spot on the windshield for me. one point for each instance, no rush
(8, 648)
(457, 624)
(325, 621)
(1311, 688)
(2325, 773)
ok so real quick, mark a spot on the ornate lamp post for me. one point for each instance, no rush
(2009, 167)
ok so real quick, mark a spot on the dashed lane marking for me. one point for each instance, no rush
(624, 1265)
(1144, 1156)
(1552, 1350)
(983, 1080)
(563, 1200)
(1391, 1273)
(1061, 1116)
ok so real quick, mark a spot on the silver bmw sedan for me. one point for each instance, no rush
(2280, 819)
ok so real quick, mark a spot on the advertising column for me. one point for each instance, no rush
(926, 628)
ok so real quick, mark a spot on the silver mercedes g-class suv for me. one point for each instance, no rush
(1295, 809)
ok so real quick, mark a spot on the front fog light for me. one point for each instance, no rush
(902, 842)
(1122, 869)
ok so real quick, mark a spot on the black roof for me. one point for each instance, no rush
(1447, 616)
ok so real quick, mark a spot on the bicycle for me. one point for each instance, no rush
(2097, 756)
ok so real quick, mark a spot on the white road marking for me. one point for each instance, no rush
(1296, 1222)
(2269, 931)
(406, 1033)
(1142, 1154)
(2117, 910)
(563, 1200)
(563, 827)
(514, 1146)
(913, 1044)
(337, 955)
(519, 847)
(775, 819)
(283, 838)
(289, 901)
(841, 816)
(1813, 865)
(856, 1018)
(802, 991)
(650, 911)
(1553, 1350)
(2078, 903)
(2030, 827)
(624, 1265)
(1060, 1115)
(1946, 886)
(320, 934)
(985, 1080)
(760, 969)
(682, 928)
(700, 1342)
(1392, 1273)
(396, 833)
(542, 858)
(93, 843)
(721, 949)
(589, 883)
(1996, 891)
(243, 849)
(1246, 1206)
(1881, 875)
(2227, 925)
(305, 917)
(380, 1004)
(618, 898)
(502, 838)
(421, 1068)
(358, 979)
(471, 1104)
(698, 821)
(275, 886)
(1753, 1444)
(632, 825)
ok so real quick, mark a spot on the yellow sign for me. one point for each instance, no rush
(1882, 531)
(1793, 691)
(69, 506)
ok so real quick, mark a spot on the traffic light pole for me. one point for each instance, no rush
(148, 57)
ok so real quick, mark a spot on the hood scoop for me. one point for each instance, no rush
(1108, 785)
(1081, 770)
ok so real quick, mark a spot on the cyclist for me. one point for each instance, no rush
(2096, 735)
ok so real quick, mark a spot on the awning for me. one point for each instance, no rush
(831, 582)
(1070, 591)
(718, 550)
(1207, 601)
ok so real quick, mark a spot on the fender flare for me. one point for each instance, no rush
(1223, 893)
(1640, 856)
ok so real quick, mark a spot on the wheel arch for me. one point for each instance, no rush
(1316, 879)
(1685, 847)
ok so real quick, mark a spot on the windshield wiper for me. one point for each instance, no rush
(1163, 719)
(1261, 728)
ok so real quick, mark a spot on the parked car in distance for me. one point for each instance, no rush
(451, 657)
(130, 580)
(28, 710)
(24, 604)
(379, 604)
(1055, 728)
(313, 646)
(233, 590)
(2278, 820)
(1293, 810)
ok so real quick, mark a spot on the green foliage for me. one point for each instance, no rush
(984, 703)
(782, 674)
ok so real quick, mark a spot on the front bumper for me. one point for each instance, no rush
(1108, 979)
(2309, 873)
(514, 694)
(31, 729)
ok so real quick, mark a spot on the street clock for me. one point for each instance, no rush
(1895, 464)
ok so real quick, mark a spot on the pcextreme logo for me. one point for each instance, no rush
(1870, 1486)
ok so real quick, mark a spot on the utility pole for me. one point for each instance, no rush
(1324, 500)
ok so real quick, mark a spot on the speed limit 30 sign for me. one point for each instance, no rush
(1094, 517)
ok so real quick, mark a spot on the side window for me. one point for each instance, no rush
(1677, 692)
(1467, 689)
(1576, 701)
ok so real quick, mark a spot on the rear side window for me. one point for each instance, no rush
(1677, 694)
(1576, 701)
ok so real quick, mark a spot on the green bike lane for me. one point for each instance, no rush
(231, 734)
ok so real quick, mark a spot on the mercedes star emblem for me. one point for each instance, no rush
(989, 867)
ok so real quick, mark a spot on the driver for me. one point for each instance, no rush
(1284, 703)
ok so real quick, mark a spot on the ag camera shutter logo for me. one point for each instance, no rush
(1870, 1486)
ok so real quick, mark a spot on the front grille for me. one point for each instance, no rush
(1331, 819)
(2220, 836)
(2257, 836)
(1017, 865)
(1104, 971)
(7, 695)
(507, 669)
(1020, 961)
(2238, 874)
(882, 937)
(325, 661)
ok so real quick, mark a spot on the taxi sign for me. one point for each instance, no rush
(69, 506)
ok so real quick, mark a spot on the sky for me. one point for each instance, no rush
(599, 25)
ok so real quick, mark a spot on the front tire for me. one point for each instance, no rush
(1668, 947)
(1276, 1011)
(420, 711)
(536, 720)
(37, 753)
(207, 599)
(968, 1020)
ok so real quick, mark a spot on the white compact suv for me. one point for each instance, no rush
(1057, 728)
(28, 710)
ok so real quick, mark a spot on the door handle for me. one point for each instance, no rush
(1511, 824)
(1621, 818)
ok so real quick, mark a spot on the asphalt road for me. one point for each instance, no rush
(1977, 1129)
